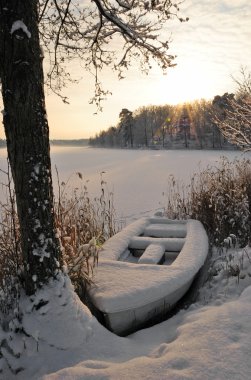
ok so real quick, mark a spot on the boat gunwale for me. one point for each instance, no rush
(174, 265)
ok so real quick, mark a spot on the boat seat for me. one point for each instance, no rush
(170, 244)
(158, 230)
(153, 254)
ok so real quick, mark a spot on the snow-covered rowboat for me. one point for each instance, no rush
(145, 269)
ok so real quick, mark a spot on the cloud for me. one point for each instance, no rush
(209, 48)
(218, 31)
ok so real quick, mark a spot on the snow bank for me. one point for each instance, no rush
(211, 342)
(59, 303)
(207, 343)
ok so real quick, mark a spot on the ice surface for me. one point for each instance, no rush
(137, 178)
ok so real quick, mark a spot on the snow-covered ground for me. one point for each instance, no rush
(209, 340)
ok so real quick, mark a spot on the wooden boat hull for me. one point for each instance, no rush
(128, 321)
(131, 294)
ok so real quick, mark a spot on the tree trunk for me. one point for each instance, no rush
(185, 135)
(131, 134)
(146, 140)
(163, 137)
(213, 128)
(27, 135)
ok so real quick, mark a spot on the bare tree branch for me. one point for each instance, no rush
(104, 32)
(43, 10)
(234, 120)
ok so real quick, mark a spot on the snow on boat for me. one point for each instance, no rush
(145, 269)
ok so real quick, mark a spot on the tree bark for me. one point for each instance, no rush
(27, 135)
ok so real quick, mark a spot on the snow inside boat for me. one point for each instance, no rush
(145, 269)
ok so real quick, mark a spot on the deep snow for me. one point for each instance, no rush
(211, 340)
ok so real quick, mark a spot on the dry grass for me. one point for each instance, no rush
(83, 224)
(220, 197)
(10, 252)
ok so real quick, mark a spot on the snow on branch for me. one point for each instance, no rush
(234, 120)
(104, 33)
(20, 25)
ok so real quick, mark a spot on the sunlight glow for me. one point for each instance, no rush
(209, 48)
(185, 83)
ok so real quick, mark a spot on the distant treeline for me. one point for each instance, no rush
(190, 125)
(2, 143)
(80, 142)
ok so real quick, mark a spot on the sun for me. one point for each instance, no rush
(186, 83)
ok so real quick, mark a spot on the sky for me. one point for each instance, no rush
(211, 47)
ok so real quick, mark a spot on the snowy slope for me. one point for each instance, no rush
(211, 340)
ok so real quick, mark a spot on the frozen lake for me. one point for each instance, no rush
(137, 178)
